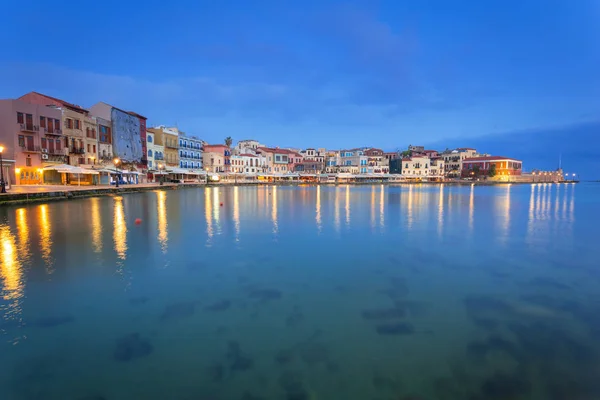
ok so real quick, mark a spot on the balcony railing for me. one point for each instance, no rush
(30, 149)
(28, 128)
(53, 131)
(172, 146)
(77, 150)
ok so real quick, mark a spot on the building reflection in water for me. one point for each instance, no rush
(504, 212)
(163, 225)
(236, 213)
(274, 210)
(120, 229)
(96, 225)
(318, 210)
(347, 206)
(544, 206)
(471, 207)
(382, 206)
(23, 232)
(11, 273)
(208, 214)
(441, 209)
(336, 210)
(45, 237)
(372, 207)
(409, 207)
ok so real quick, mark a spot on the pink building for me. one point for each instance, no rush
(216, 158)
(279, 161)
(31, 135)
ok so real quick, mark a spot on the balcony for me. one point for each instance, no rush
(76, 150)
(52, 131)
(28, 128)
(159, 157)
(30, 149)
(172, 146)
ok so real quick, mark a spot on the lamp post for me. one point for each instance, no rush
(160, 179)
(116, 162)
(2, 184)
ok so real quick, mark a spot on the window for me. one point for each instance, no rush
(149, 153)
(149, 139)
(20, 119)
(58, 143)
(43, 143)
(149, 164)
(43, 122)
(56, 124)
(94, 148)
(21, 141)
(69, 123)
(77, 124)
(28, 162)
(89, 148)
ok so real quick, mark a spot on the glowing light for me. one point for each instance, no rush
(23, 231)
(163, 226)
(45, 237)
(10, 269)
(274, 211)
(441, 209)
(208, 213)
(381, 207)
(236, 212)
(347, 208)
(336, 213)
(409, 208)
(372, 207)
(120, 229)
(96, 225)
(471, 207)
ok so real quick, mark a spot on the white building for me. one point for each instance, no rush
(454, 160)
(156, 152)
(421, 167)
(248, 163)
(248, 146)
(190, 152)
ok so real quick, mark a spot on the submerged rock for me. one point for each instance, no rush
(132, 346)
(50, 322)
(178, 310)
(219, 306)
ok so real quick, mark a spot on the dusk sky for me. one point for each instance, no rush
(507, 76)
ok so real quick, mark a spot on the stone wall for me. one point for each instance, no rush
(127, 142)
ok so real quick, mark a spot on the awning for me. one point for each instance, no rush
(70, 169)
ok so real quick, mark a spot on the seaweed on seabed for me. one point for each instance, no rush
(51, 322)
(219, 306)
(238, 361)
(178, 310)
(295, 318)
(132, 346)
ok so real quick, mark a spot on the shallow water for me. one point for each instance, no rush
(320, 293)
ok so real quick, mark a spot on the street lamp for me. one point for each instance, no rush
(160, 166)
(116, 161)
(2, 184)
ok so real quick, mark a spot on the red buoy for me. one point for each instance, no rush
(138, 221)
(221, 204)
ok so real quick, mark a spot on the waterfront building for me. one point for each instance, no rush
(474, 167)
(22, 137)
(311, 154)
(310, 166)
(391, 155)
(376, 161)
(168, 141)
(155, 152)
(248, 146)
(277, 160)
(143, 164)
(422, 167)
(105, 149)
(78, 128)
(216, 158)
(126, 132)
(248, 163)
(190, 151)
(454, 160)
(353, 161)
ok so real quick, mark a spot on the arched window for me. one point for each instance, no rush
(149, 153)
(149, 139)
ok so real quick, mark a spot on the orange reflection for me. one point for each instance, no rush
(441, 209)
(381, 207)
(120, 229)
(472, 207)
(274, 210)
(208, 213)
(23, 232)
(10, 269)
(96, 225)
(236, 213)
(336, 212)
(409, 208)
(163, 226)
(318, 210)
(45, 237)
(372, 207)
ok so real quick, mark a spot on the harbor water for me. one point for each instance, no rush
(311, 292)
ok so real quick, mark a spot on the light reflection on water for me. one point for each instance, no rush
(305, 297)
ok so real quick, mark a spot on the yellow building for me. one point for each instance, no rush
(169, 138)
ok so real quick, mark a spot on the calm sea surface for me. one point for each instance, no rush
(320, 293)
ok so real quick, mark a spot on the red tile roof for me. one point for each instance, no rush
(248, 155)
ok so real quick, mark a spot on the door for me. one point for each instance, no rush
(29, 177)
(29, 143)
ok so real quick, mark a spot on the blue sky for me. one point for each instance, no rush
(324, 73)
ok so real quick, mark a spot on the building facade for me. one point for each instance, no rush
(105, 150)
(22, 137)
(155, 151)
(475, 167)
(454, 160)
(248, 163)
(278, 161)
(190, 152)
(421, 167)
(216, 158)
(126, 132)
